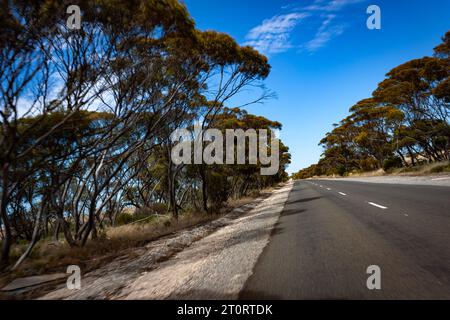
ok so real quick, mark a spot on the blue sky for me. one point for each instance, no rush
(324, 59)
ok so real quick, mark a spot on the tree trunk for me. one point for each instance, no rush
(34, 238)
(204, 189)
(94, 232)
(91, 221)
(173, 200)
(56, 234)
(46, 225)
(411, 155)
(7, 240)
(6, 245)
(171, 185)
(403, 158)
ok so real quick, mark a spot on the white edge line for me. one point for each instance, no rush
(342, 194)
(378, 206)
(439, 179)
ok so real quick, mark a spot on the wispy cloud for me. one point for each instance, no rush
(330, 5)
(274, 35)
(326, 32)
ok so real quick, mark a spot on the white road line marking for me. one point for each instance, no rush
(342, 194)
(439, 179)
(406, 215)
(321, 186)
(378, 206)
(328, 189)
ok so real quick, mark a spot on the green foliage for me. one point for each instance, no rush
(144, 215)
(391, 163)
(124, 218)
(441, 169)
(148, 71)
(219, 188)
(341, 169)
(405, 120)
(239, 180)
(149, 212)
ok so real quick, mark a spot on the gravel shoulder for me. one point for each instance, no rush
(429, 180)
(212, 261)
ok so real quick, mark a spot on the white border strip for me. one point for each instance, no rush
(378, 206)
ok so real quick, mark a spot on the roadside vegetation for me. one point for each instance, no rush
(86, 117)
(120, 241)
(404, 127)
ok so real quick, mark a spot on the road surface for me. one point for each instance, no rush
(309, 240)
(331, 231)
(215, 266)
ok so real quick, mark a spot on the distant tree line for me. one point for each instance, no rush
(404, 123)
(86, 116)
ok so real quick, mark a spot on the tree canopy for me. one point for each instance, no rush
(86, 115)
(404, 123)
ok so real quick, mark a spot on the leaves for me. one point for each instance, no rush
(406, 117)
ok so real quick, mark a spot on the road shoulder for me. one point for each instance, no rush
(428, 180)
(211, 267)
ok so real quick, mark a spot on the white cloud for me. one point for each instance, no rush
(330, 6)
(328, 30)
(273, 35)
(337, 5)
(323, 36)
(329, 18)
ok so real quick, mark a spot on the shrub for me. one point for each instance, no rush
(392, 163)
(157, 208)
(442, 168)
(147, 213)
(218, 189)
(368, 164)
(341, 170)
(124, 218)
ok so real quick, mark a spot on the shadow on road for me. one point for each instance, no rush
(292, 212)
(302, 200)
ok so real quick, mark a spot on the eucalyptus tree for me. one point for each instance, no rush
(405, 120)
(86, 115)
(46, 68)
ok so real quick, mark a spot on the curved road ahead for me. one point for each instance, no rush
(330, 231)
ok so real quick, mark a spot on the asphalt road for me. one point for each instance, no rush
(330, 232)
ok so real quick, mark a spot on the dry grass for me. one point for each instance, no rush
(419, 170)
(426, 169)
(158, 227)
(49, 256)
(376, 173)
